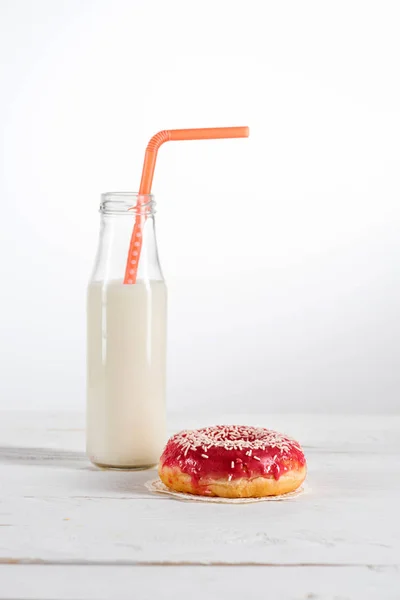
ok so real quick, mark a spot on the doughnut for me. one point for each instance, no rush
(232, 461)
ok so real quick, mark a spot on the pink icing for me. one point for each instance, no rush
(232, 452)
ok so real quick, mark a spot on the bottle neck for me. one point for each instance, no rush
(118, 214)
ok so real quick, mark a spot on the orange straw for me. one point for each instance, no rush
(150, 157)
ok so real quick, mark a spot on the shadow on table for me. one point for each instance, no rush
(94, 482)
(42, 456)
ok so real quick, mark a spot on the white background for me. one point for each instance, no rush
(281, 251)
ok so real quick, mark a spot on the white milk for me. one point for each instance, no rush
(126, 361)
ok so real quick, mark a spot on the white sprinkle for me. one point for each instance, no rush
(204, 456)
(232, 438)
(233, 464)
(230, 477)
(256, 458)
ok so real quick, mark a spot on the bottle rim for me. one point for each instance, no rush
(127, 203)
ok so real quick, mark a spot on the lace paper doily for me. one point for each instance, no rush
(157, 486)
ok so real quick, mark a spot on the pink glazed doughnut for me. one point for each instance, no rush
(232, 461)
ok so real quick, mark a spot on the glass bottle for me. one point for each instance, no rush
(126, 342)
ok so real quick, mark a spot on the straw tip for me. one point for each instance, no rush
(246, 131)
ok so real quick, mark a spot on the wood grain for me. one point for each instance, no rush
(172, 583)
(102, 530)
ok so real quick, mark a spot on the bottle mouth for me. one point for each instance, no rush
(127, 203)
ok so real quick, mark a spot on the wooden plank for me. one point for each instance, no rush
(65, 430)
(350, 516)
(149, 583)
(65, 474)
(57, 507)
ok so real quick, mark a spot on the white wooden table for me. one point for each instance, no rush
(71, 531)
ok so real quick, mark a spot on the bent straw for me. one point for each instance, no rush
(150, 157)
